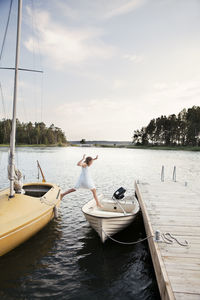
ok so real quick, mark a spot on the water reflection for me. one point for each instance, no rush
(110, 268)
(27, 257)
(66, 260)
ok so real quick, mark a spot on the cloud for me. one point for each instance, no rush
(123, 8)
(98, 118)
(99, 10)
(67, 11)
(166, 98)
(64, 45)
(178, 90)
(160, 86)
(120, 84)
(134, 58)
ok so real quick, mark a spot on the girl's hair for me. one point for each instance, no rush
(88, 159)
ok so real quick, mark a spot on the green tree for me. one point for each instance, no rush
(29, 133)
(183, 129)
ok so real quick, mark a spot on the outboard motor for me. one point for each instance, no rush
(119, 194)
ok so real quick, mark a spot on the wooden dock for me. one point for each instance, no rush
(173, 207)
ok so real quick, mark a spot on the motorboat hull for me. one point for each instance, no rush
(107, 223)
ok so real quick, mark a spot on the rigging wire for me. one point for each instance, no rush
(22, 94)
(6, 29)
(36, 39)
(3, 102)
(34, 94)
(1, 53)
(34, 29)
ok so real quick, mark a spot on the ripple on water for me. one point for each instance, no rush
(66, 260)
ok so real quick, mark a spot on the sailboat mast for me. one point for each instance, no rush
(13, 132)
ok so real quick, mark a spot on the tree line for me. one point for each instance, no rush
(182, 129)
(31, 133)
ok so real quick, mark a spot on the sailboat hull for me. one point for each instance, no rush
(24, 215)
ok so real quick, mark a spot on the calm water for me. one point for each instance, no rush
(66, 260)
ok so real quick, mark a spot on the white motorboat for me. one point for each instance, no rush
(114, 215)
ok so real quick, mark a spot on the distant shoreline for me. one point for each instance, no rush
(131, 146)
(173, 148)
(36, 145)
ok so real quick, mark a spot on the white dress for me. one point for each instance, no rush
(85, 180)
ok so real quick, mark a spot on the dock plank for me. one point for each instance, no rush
(175, 208)
(183, 296)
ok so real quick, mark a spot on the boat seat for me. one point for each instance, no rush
(128, 204)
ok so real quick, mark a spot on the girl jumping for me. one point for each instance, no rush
(85, 181)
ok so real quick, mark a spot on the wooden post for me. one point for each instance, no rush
(174, 174)
(39, 167)
(163, 174)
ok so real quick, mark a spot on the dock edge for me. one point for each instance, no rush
(163, 281)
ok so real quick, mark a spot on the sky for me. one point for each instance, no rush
(110, 66)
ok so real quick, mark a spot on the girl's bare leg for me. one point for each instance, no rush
(67, 192)
(94, 192)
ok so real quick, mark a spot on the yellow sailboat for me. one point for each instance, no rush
(24, 209)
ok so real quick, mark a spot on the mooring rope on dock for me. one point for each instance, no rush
(168, 238)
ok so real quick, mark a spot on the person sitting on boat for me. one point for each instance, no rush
(85, 181)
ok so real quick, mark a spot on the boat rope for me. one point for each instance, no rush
(127, 243)
(50, 203)
(47, 202)
(168, 238)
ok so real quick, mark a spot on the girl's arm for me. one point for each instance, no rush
(80, 163)
(95, 157)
